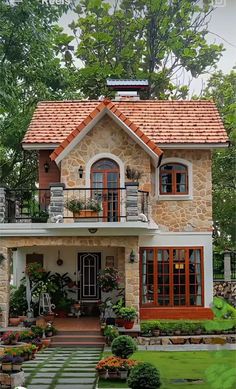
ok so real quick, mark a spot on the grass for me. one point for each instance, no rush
(190, 364)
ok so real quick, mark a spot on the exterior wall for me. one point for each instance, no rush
(188, 215)
(4, 285)
(105, 137)
(53, 174)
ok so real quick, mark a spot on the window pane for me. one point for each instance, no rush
(105, 164)
(166, 183)
(195, 277)
(181, 182)
(148, 276)
(163, 279)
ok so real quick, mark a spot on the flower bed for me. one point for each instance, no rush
(113, 367)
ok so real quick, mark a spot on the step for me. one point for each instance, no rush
(76, 338)
(81, 332)
(77, 344)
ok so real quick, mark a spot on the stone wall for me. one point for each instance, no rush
(125, 245)
(188, 215)
(4, 285)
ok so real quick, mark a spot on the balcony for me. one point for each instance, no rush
(96, 205)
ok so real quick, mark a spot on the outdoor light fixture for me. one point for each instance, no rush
(81, 170)
(132, 256)
(92, 230)
(46, 167)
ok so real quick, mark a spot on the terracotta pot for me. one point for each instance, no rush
(14, 321)
(85, 213)
(119, 322)
(46, 342)
(128, 324)
(22, 318)
(113, 374)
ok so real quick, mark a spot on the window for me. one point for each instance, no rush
(173, 179)
(171, 277)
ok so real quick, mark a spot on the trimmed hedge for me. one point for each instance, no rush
(123, 346)
(145, 376)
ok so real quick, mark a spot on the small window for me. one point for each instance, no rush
(173, 179)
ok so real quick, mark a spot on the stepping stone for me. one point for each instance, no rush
(78, 386)
(76, 381)
(41, 381)
(77, 375)
(38, 386)
(45, 375)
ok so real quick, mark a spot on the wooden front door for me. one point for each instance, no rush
(105, 179)
(89, 265)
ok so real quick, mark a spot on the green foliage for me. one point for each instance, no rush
(139, 39)
(18, 304)
(37, 331)
(128, 313)
(76, 205)
(145, 376)
(111, 332)
(123, 346)
(221, 88)
(222, 309)
(117, 307)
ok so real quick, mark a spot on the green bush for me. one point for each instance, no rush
(145, 376)
(219, 325)
(111, 332)
(123, 346)
(37, 331)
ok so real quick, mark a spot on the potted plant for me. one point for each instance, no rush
(83, 208)
(40, 217)
(108, 279)
(10, 338)
(63, 307)
(128, 314)
(17, 363)
(38, 343)
(116, 308)
(7, 362)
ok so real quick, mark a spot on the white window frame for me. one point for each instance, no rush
(172, 197)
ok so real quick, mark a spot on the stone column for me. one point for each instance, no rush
(227, 266)
(56, 206)
(3, 204)
(4, 285)
(131, 201)
(132, 274)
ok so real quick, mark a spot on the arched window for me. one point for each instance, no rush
(174, 179)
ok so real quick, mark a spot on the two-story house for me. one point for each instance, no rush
(148, 164)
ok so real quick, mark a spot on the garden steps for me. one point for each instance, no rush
(78, 339)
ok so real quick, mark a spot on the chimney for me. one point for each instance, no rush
(127, 90)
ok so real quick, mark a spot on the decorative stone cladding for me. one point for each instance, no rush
(125, 245)
(105, 137)
(188, 215)
(4, 285)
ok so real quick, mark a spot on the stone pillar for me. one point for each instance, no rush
(121, 265)
(3, 204)
(4, 285)
(131, 201)
(56, 206)
(227, 266)
(132, 274)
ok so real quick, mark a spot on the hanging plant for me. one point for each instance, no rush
(108, 279)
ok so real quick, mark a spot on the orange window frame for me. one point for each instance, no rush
(173, 174)
(171, 284)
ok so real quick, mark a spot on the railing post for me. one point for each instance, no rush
(56, 206)
(132, 201)
(3, 205)
(227, 266)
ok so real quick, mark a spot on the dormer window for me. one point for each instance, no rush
(173, 179)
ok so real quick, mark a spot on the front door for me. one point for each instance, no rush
(105, 178)
(89, 265)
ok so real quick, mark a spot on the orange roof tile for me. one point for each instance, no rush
(106, 104)
(163, 122)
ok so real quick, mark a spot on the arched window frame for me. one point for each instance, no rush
(176, 196)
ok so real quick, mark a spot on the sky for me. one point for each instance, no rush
(222, 29)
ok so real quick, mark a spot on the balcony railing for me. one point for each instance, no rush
(52, 205)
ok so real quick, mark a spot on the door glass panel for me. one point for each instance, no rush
(195, 277)
(148, 276)
(163, 278)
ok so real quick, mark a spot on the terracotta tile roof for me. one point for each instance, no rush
(106, 104)
(164, 122)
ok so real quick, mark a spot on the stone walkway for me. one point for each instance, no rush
(62, 368)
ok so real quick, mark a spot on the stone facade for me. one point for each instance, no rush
(188, 215)
(124, 244)
(4, 285)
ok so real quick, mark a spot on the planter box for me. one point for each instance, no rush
(12, 380)
(85, 215)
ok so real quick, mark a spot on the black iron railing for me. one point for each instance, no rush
(218, 266)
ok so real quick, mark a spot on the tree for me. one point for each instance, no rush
(33, 66)
(222, 89)
(138, 39)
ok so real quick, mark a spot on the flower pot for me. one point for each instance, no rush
(14, 321)
(128, 324)
(102, 373)
(120, 322)
(6, 366)
(49, 334)
(16, 366)
(123, 374)
(156, 332)
(84, 214)
(113, 374)
(22, 318)
(46, 342)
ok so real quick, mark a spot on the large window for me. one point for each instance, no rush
(173, 179)
(171, 277)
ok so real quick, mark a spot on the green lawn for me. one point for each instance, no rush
(190, 364)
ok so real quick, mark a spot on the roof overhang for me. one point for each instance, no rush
(155, 158)
(40, 146)
(192, 146)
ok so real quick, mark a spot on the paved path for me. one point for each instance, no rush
(68, 368)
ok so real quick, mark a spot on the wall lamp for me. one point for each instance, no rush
(46, 167)
(92, 230)
(132, 256)
(81, 170)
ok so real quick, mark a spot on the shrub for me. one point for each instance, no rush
(123, 346)
(128, 313)
(145, 376)
(111, 332)
(37, 331)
